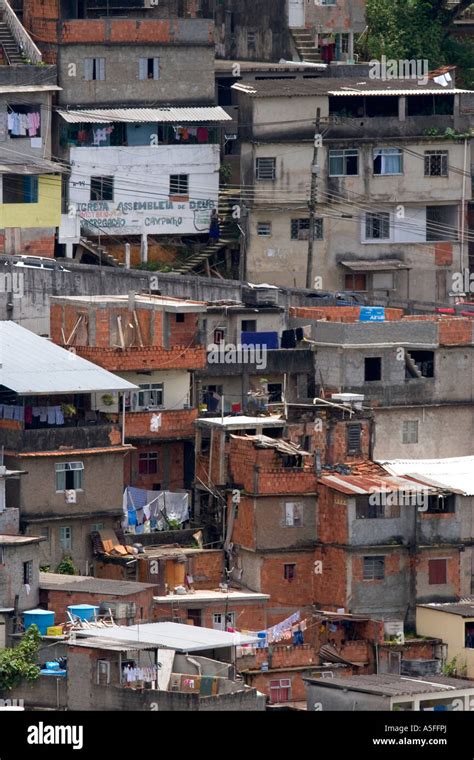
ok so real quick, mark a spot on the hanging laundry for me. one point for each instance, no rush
(36, 411)
(43, 413)
(59, 416)
(202, 134)
(28, 414)
(51, 415)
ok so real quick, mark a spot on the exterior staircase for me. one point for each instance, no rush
(304, 44)
(100, 252)
(229, 234)
(11, 50)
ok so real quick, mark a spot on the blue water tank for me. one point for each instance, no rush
(83, 611)
(42, 618)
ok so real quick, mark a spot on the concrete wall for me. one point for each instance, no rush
(386, 599)
(11, 576)
(122, 85)
(271, 531)
(346, 15)
(266, 22)
(447, 627)
(344, 700)
(141, 177)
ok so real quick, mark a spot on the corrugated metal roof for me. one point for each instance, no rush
(464, 608)
(396, 91)
(380, 265)
(89, 585)
(171, 115)
(37, 166)
(355, 484)
(455, 474)
(323, 86)
(30, 365)
(4, 88)
(182, 638)
(395, 686)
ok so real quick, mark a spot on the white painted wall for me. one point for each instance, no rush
(141, 176)
(176, 388)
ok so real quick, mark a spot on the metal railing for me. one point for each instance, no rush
(22, 38)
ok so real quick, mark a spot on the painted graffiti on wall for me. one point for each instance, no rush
(133, 217)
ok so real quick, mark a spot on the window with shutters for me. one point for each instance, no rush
(410, 431)
(374, 568)
(27, 572)
(355, 281)
(353, 439)
(293, 514)
(94, 69)
(65, 538)
(148, 68)
(436, 163)
(437, 572)
(266, 169)
(221, 621)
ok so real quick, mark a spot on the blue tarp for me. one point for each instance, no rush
(267, 339)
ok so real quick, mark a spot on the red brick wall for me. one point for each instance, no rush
(453, 585)
(249, 616)
(175, 423)
(289, 594)
(332, 518)
(336, 451)
(59, 601)
(183, 333)
(244, 532)
(151, 357)
(443, 254)
(272, 476)
(261, 681)
(206, 567)
(330, 586)
(175, 471)
(455, 332)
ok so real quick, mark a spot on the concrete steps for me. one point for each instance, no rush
(10, 46)
(304, 44)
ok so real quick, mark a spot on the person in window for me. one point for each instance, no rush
(214, 227)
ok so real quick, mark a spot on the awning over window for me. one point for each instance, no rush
(364, 265)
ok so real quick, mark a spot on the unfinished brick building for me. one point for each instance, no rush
(156, 341)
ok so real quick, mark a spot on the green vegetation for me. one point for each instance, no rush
(66, 566)
(418, 29)
(17, 663)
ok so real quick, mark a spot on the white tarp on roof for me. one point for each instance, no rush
(146, 115)
(182, 638)
(31, 365)
(453, 473)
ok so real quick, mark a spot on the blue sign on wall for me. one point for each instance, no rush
(372, 314)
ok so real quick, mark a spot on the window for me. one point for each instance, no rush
(264, 229)
(374, 568)
(148, 463)
(372, 369)
(65, 538)
(343, 163)
(441, 223)
(366, 510)
(266, 169)
(20, 188)
(249, 325)
(437, 572)
(293, 515)
(388, 161)
(387, 505)
(251, 38)
(353, 439)
(69, 476)
(289, 572)
(150, 396)
(94, 69)
(95, 527)
(377, 225)
(275, 393)
(103, 672)
(410, 431)
(102, 188)
(436, 163)
(441, 503)
(179, 317)
(27, 572)
(219, 335)
(44, 533)
(179, 184)
(355, 281)
(382, 281)
(148, 68)
(221, 621)
(300, 229)
(280, 691)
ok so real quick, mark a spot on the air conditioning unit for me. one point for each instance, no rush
(152, 3)
(70, 496)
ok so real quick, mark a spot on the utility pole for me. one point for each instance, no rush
(312, 201)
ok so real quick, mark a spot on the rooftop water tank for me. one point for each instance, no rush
(83, 611)
(42, 618)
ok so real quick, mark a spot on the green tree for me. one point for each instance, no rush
(18, 663)
(66, 566)
(417, 29)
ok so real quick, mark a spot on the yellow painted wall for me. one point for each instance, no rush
(450, 629)
(45, 213)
